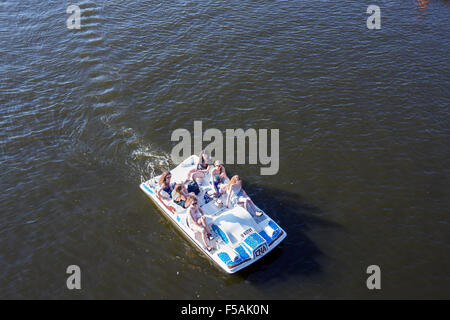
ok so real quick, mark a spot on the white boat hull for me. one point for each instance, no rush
(241, 239)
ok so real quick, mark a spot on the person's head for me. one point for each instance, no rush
(234, 180)
(204, 156)
(192, 199)
(218, 165)
(165, 178)
(178, 188)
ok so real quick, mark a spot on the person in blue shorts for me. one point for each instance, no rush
(218, 177)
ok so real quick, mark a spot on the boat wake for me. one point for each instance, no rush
(144, 159)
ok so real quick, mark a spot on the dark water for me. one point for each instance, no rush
(364, 144)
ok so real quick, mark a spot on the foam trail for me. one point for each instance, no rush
(144, 160)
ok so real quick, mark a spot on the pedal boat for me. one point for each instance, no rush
(240, 238)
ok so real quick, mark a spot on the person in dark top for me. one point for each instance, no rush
(165, 185)
(179, 195)
(203, 166)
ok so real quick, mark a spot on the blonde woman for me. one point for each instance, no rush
(237, 195)
(197, 220)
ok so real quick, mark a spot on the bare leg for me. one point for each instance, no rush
(255, 209)
(243, 203)
(248, 203)
(204, 224)
(189, 174)
(205, 239)
(216, 189)
(197, 175)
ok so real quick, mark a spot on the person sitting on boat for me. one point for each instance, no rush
(218, 177)
(202, 168)
(179, 195)
(197, 220)
(237, 195)
(165, 185)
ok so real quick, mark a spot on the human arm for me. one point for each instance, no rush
(228, 197)
(224, 174)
